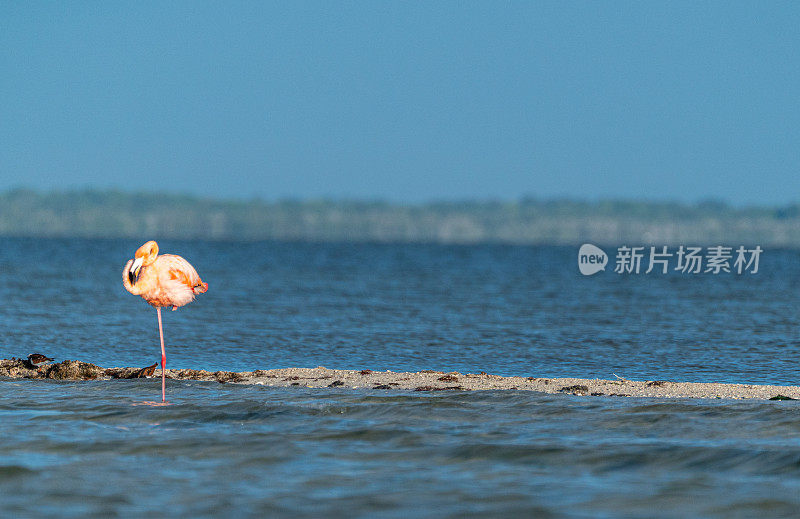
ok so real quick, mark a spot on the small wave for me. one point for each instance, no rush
(8, 472)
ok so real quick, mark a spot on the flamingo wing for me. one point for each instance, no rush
(179, 279)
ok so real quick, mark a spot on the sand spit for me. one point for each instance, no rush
(426, 380)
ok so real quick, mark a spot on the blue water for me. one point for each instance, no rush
(88, 449)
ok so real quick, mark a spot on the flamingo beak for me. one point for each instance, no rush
(136, 269)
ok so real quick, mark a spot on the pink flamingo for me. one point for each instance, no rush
(165, 280)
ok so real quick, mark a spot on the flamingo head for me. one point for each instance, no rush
(145, 255)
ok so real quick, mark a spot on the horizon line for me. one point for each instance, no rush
(521, 199)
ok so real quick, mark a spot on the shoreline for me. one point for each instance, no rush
(426, 380)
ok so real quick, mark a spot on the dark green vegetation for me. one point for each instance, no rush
(562, 221)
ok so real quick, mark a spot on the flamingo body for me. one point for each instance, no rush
(161, 280)
(165, 280)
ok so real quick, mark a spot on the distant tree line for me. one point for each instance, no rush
(525, 221)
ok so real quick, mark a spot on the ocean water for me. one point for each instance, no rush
(87, 449)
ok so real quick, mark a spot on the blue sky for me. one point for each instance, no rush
(405, 101)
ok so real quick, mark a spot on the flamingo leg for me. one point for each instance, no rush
(163, 358)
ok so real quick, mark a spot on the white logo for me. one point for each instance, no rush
(591, 259)
(687, 260)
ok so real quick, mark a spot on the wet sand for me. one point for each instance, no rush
(427, 380)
